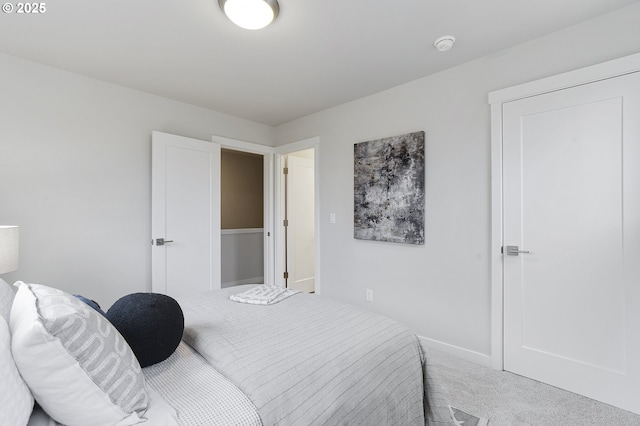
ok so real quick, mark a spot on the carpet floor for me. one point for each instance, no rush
(506, 399)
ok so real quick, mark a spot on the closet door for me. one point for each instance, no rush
(571, 223)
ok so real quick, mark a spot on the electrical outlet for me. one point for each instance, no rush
(369, 296)
(332, 218)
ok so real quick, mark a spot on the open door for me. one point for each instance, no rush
(300, 221)
(185, 216)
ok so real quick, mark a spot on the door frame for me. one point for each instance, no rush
(281, 151)
(590, 74)
(268, 196)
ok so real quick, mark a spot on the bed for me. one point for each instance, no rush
(306, 360)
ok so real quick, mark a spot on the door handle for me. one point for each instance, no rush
(515, 250)
(162, 241)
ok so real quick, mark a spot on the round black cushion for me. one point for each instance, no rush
(151, 323)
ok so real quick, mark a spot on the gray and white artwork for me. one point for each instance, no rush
(389, 189)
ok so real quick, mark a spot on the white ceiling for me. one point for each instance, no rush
(317, 54)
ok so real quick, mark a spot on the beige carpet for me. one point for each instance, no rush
(506, 399)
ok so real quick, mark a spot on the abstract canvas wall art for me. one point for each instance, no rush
(389, 189)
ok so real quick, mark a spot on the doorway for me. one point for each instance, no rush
(246, 153)
(242, 217)
(273, 212)
(307, 153)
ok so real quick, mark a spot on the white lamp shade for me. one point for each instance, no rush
(8, 248)
(250, 14)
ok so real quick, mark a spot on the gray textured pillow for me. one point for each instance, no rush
(79, 368)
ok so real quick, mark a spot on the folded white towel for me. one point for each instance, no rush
(263, 295)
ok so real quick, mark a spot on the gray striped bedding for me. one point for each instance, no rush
(309, 360)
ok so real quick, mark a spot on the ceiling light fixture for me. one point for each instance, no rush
(250, 14)
(444, 43)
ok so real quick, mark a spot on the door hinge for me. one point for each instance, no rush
(285, 222)
(285, 171)
(286, 275)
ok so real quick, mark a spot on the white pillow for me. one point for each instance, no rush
(15, 399)
(6, 299)
(79, 368)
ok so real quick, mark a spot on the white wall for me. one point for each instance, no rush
(75, 174)
(441, 289)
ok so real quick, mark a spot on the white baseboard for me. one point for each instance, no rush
(254, 280)
(466, 354)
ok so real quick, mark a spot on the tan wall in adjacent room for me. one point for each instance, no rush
(242, 190)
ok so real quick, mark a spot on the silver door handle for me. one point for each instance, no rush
(515, 250)
(162, 241)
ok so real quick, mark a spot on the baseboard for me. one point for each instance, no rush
(254, 280)
(462, 353)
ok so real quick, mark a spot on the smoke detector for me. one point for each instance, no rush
(444, 43)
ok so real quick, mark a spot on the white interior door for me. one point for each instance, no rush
(571, 191)
(301, 229)
(185, 214)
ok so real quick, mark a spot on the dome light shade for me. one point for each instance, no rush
(250, 14)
